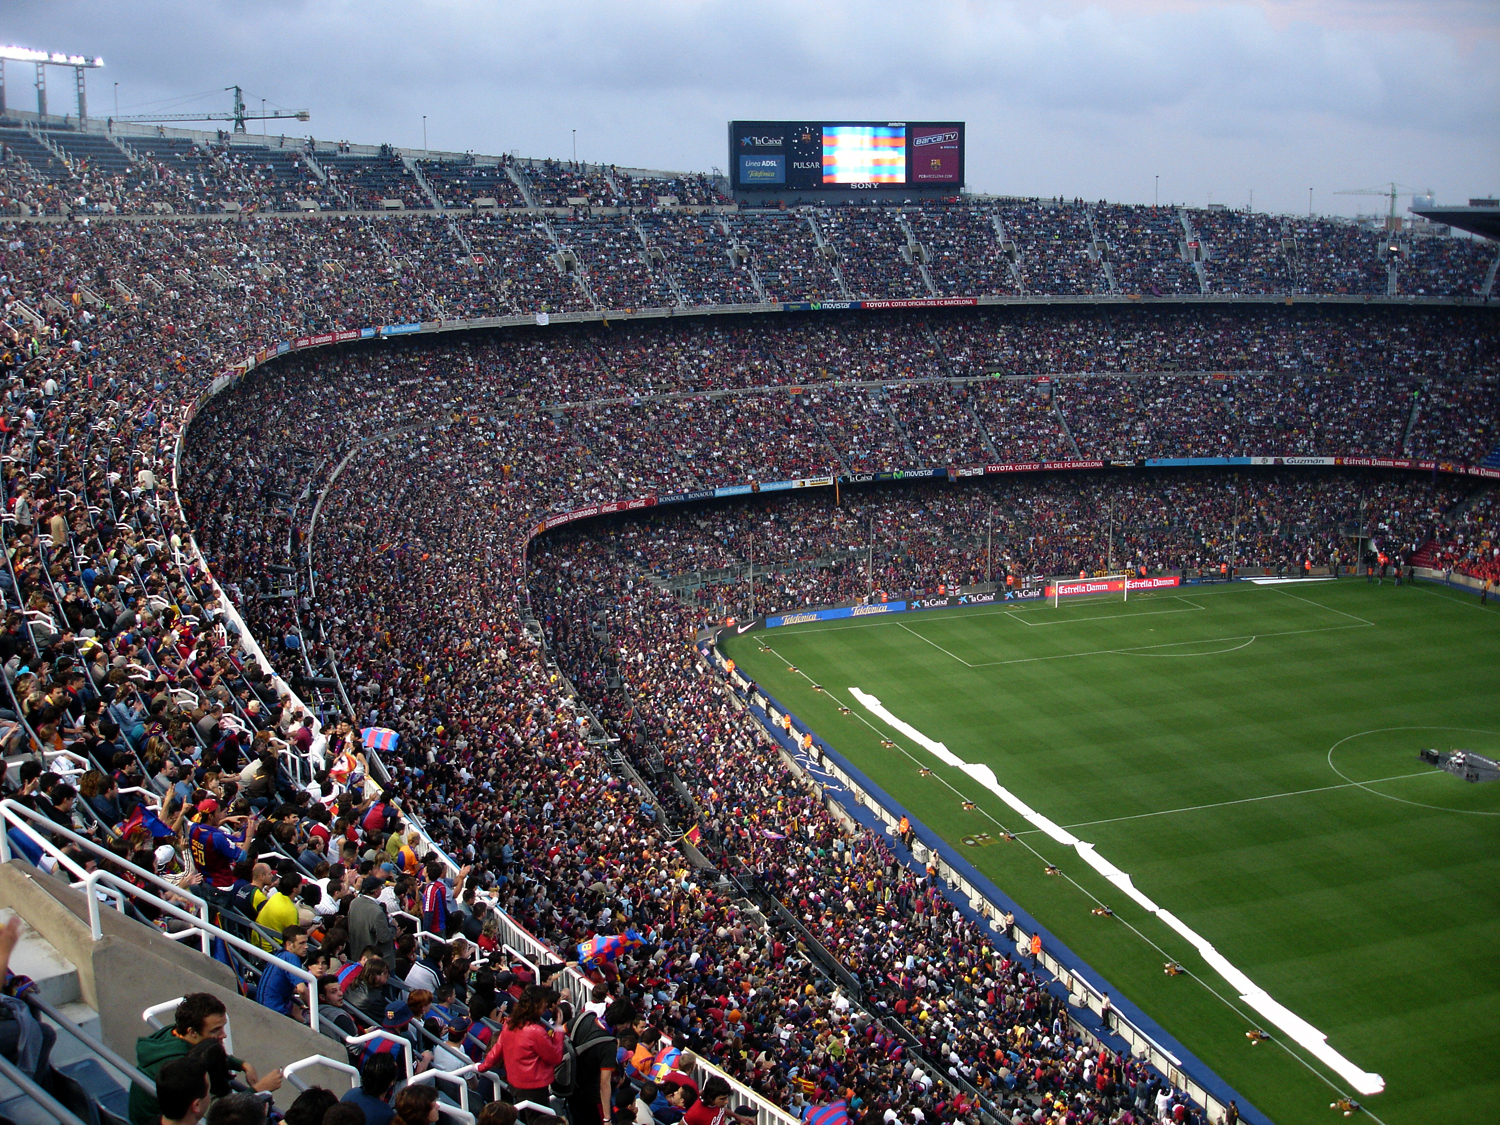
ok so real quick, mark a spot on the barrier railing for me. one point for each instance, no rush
(290, 1071)
(94, 1044)
(460, 1079)
(456, 1112)
(208, 932)
(29, 821)
(41, 1099)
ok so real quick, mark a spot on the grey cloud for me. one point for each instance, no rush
(1202, 88)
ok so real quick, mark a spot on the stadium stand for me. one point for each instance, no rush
(462, 184)
(965, 255)
(151, 698)
(1146, 247)
(1055, 247)
(868, 242)
(374, 183)
(699, 254)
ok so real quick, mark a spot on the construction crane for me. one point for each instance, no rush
(238, 114)
(1392, 220)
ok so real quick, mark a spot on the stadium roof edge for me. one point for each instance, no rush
(1483, 220)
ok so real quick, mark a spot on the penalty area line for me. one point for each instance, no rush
(1171, 644)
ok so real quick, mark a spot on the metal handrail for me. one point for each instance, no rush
(535, 1108)
(459, 1114)
(289, 1071)
(460, 1078)
(129, 1069)
(11, 810)
(45, 1101)
(208, 930)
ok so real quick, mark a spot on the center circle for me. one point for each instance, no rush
(1392, 753)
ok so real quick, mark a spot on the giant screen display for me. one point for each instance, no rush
(843, 155)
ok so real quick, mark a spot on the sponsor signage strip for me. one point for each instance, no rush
(903, 303)
(810, 615)
(1114, 585)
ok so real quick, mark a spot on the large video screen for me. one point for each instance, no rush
(843, 155)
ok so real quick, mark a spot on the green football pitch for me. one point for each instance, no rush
(1249, 756)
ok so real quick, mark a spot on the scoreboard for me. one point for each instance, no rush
(846, 155)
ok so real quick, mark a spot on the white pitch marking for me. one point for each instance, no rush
(1286, 581)
(1179, 655)
(1320, 605)
(1298, 1029)
(1116, 616)
(1137, 649)
(934, 644)
(1251, 800)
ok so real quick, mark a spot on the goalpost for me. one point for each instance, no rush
(1107, 588)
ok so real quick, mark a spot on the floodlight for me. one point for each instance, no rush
(26, 54)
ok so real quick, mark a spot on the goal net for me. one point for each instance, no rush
(1111, 587)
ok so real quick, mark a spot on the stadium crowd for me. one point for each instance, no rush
(133, 670)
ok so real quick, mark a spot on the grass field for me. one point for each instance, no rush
(1248, 754)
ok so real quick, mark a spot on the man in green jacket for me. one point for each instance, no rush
(199, 1017)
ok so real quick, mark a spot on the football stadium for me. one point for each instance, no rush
(799, 641)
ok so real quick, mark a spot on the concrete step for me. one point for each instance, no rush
(56, 977)
(69, 1049)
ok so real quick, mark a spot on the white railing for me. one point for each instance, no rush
(13, 813)
(293, 1068)
(460, 1079)
(207, 930)
(522, 1107)
(459, 1114)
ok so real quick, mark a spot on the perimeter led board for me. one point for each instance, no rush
(846, 155)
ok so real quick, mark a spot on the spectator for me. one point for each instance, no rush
(310, 1106)
(280, 910)
(237, 1109)
(369, 928)
(529, 1046)
(199, 1016)
(182, 1092)
(279, 990)
(416, 1105)
(377, 1076)
(25, 1040)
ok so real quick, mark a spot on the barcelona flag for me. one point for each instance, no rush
(143, 817)
(379, 738)
(664, 1064)
(835, 1114)
(606, 948)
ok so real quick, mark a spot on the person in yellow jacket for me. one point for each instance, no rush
(279, 912)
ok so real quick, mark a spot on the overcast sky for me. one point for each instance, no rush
(1221, 100)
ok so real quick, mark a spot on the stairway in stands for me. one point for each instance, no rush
(82, 1081)
(1426, 554)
